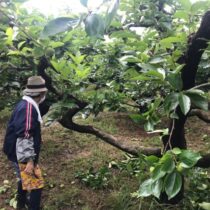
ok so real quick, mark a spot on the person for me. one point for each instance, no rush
(23, 139)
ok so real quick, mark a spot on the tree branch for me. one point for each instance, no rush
(192, 57)
(201, 85)
(42, 66)
(200, 114)
(141, 24)
(67, 122)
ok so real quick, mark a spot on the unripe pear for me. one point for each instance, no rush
(151, 169)
(179, 168)
(49, 52)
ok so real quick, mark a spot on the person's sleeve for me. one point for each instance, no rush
(25, 122)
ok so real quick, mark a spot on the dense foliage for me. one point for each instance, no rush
(117, 69)
(124, 56)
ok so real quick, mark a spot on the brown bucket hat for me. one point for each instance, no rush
(35, 84)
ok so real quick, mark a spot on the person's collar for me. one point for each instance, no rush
(34, 103)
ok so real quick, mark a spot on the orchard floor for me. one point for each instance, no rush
(66, 154)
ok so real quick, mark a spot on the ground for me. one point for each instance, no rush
(67, 157)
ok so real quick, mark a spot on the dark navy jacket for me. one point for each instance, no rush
(23, 123)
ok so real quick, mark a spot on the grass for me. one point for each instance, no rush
(65, 153)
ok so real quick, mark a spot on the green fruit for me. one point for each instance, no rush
(49, 52)
(180, 168)
(151, 169)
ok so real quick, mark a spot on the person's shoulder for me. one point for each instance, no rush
(24, 106)
(21, 105)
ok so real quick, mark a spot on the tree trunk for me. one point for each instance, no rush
(191, 59)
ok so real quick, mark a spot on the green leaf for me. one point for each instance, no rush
(182, 15)
(195, 91)
(157, 60)
(197, 99)
(59, 25)
(69, 105)
(175, 80)
(128, 58)
(15, 52)
(162, 131)
(145, 188)
(84, 2)
(124, 34)
(179, 68)
(184, 102)
(159, 73)
(176, 151)
(56, 44)
(111, 13)
(9, 33)
(204, 205)
(186, 4)
(149, 125)
(153, 106)
(173, 184)
(59, 66)
(94, 25)
(158, 172)
(130, 73)
(157, 187)
(137, 118)
(55, 65)
(83, 73)
(77, 58)
(20, 1)
(146, 66)
(152, 75)
(188, 158)
(151, 160)
(174, 115)
(171, 102)
(200, 5)
(169, 40)
(21, 44)
(168, 164)
(142, 78)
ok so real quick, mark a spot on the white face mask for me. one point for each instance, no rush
(42, 99)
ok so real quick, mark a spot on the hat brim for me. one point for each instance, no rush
(39, 90)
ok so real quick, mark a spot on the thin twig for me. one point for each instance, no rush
(29, 36)
(202, 85)
(169, 140)
(151, 205)
(140, 204)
